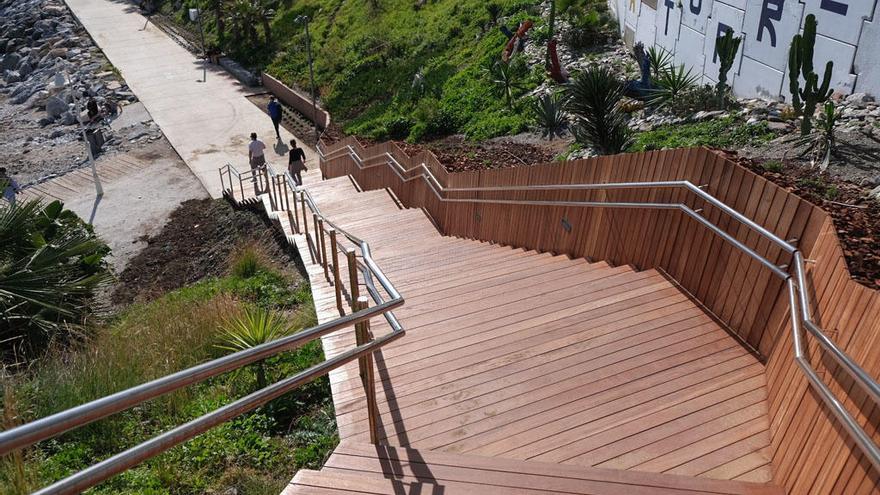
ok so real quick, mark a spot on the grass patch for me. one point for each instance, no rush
(720, 133)
(255, 453)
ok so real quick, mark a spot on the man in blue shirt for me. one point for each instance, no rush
(275, 112)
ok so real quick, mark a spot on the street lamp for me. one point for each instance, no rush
(304, 20)
(196, 15)
(62, 80)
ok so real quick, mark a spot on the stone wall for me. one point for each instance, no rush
(848, 34)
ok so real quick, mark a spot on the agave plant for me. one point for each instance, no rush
(660, 60)
(50, 265)
(671, 84)
(594, 99)
(549, 114)
(254, 327)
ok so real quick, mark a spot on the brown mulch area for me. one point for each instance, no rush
(856, 218)
(459, 155)
(195, 243)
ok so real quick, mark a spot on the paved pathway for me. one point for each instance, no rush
(208, 123)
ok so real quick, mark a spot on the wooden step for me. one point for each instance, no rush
(364, 468)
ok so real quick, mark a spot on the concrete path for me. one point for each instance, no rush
(207, 123)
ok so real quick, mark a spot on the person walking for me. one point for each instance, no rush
(296, 163)
(256, 157)
(10, 187)
(275, 111)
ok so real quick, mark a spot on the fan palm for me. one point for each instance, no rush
(254, 327)
(50, 265)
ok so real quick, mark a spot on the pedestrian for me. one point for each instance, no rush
(275, 112)
(10, 187)
(296, 163)
(256, 156)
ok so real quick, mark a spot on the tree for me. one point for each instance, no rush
(243, 17)
(50, 265)
(216, 6)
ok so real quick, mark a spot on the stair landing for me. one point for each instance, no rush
(527, 356)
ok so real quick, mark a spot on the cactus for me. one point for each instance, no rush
(800, 62)
(726, 46)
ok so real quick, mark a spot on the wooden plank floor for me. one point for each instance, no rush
(393, 470)
(520, 355)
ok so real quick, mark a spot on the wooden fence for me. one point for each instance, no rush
(811, 452)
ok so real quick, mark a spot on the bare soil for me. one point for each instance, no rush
(195, 243)
(460, 155)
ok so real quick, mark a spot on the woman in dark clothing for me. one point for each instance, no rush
(296, 164)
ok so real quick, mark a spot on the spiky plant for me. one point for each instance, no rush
(726, 46)
(254, 327)
(660, 60)
(549, 114)
(505, 79)
(593, 97)
(50, 265)
(671, 84)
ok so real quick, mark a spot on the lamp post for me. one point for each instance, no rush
(304, 20)
(196, 15)
(62, 80)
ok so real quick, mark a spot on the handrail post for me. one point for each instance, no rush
(316, 241)
(222, 183)
(365, 362)
(296, 213)
(334, 252)
(323, 250)
(273, 202)
(305, 228)
(353, 291)
(286, 202)
(241, 186)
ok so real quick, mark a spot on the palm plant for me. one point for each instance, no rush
(254, 327)
(549, 114)
(594, 99)
(243, 16)
(217, 7)
(50, 265)
(265, 11)
(671, 84)
(504, 77)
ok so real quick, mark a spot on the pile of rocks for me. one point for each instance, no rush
(49, 69)
(39, 40)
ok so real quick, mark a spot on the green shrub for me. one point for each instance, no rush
(398, 128)
(722, 133)
(773, 166)
(248, 259)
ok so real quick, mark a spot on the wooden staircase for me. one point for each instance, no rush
(386, 470)
(525, 372)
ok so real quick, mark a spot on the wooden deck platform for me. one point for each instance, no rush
(528, 356)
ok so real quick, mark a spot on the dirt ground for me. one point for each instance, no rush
(459, 155)
(195, 243)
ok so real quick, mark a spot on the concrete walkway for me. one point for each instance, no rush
(207, 123)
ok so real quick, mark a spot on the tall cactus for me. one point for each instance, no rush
(800, 62)
(726, 46)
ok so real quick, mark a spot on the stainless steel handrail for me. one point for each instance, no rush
(799, 298)
(53, 425)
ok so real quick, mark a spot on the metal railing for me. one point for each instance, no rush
(264, 182)
(799, 298)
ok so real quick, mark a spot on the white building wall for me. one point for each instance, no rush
(848, 35)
